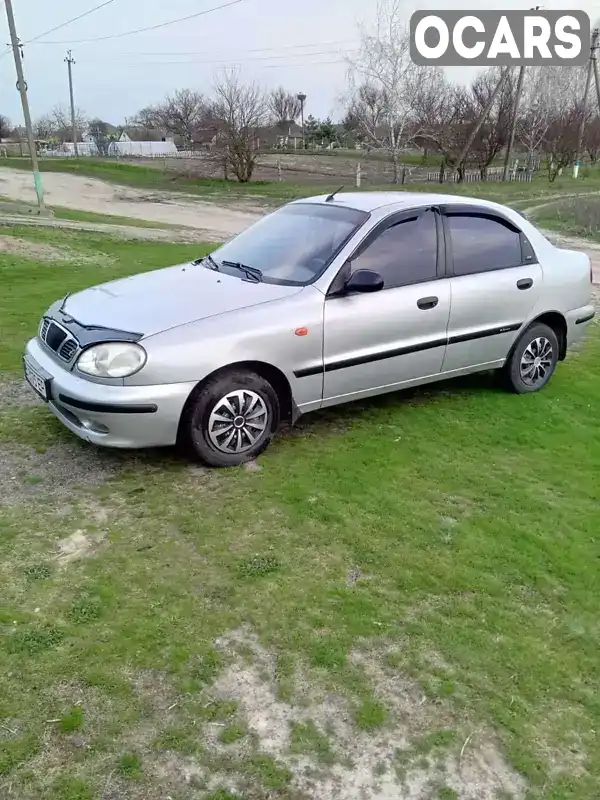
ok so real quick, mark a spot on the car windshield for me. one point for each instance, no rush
(291, 246)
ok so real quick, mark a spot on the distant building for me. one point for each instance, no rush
(125, 147)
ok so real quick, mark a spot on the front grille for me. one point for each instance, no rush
(55, 336)
(68, 349)
(58, 339)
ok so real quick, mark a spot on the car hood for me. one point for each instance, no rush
(152, 302)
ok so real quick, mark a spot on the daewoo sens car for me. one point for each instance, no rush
(324, 301)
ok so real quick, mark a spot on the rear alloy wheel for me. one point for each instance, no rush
(231, 419)
(534, 360)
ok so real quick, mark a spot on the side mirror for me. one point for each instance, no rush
(364, 280)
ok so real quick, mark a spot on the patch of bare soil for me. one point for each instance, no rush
(55, 474)
(17, 394)
(77, 546)
(45, 252)
(389, 763)
(89, 194)
(383, 765)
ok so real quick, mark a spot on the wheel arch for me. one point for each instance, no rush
(558, 323)
(554, 320)
(271, 373)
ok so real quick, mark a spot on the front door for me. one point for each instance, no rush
(378, 342)
(495, 285)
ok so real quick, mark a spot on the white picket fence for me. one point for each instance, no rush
(475, 177)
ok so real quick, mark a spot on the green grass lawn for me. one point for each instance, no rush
(107, 219)
(449, 536)
(30, 286)
(577, 216)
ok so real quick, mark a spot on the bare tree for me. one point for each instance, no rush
(430, 100)
(367, 112)
(535, 112)
(448, 127)
(99, 131)
(147, 118)
(61, 116)
(545, 90)
(384, 73)
(592, 138)
(44, 127)
(241, 109)
(284, 106)
(181, 114)
(558, 101)
(560, 141)
(5, 126)
(493, 134)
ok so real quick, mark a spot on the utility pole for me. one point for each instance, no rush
(513, 122)
(22, 87)
(584, 103)
(70, 61)
(482, 118)
(302, 98)
(597, 79)
(515, 116)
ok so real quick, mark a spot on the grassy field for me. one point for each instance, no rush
(578, 216)
(105, 219)
(403, 592)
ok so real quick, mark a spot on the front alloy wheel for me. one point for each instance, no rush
(230, 419)
(238, 421)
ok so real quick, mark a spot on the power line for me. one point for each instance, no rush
(69, 21)
(150, 28)
(306, 64)
(238, 63)
(254, 50)
(236, 60)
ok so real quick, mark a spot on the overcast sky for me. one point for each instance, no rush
(300, 45)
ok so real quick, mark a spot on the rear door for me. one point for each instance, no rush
(494, 285)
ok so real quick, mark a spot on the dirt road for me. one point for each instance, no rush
(89, 194)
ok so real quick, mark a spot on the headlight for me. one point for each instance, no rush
(112, 360)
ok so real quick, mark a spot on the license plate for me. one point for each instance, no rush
(37, 383)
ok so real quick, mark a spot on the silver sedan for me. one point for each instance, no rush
(326, 300)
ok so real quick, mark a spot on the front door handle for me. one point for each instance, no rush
(525, 283)
(427, 302)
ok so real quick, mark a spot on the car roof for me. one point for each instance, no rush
(370, 201)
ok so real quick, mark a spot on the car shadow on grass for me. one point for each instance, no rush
(341, 417)
(40, 458)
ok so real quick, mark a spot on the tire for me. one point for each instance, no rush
(533, 360)
(212, 427)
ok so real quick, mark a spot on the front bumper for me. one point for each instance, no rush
(112, 416)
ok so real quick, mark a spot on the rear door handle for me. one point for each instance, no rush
(525, 283)
(427, 302)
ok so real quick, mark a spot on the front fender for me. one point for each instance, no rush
(267, 333)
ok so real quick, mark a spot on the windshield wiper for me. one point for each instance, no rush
(209, 258)
(253, 273)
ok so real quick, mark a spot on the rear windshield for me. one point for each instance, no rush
(295, 244)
